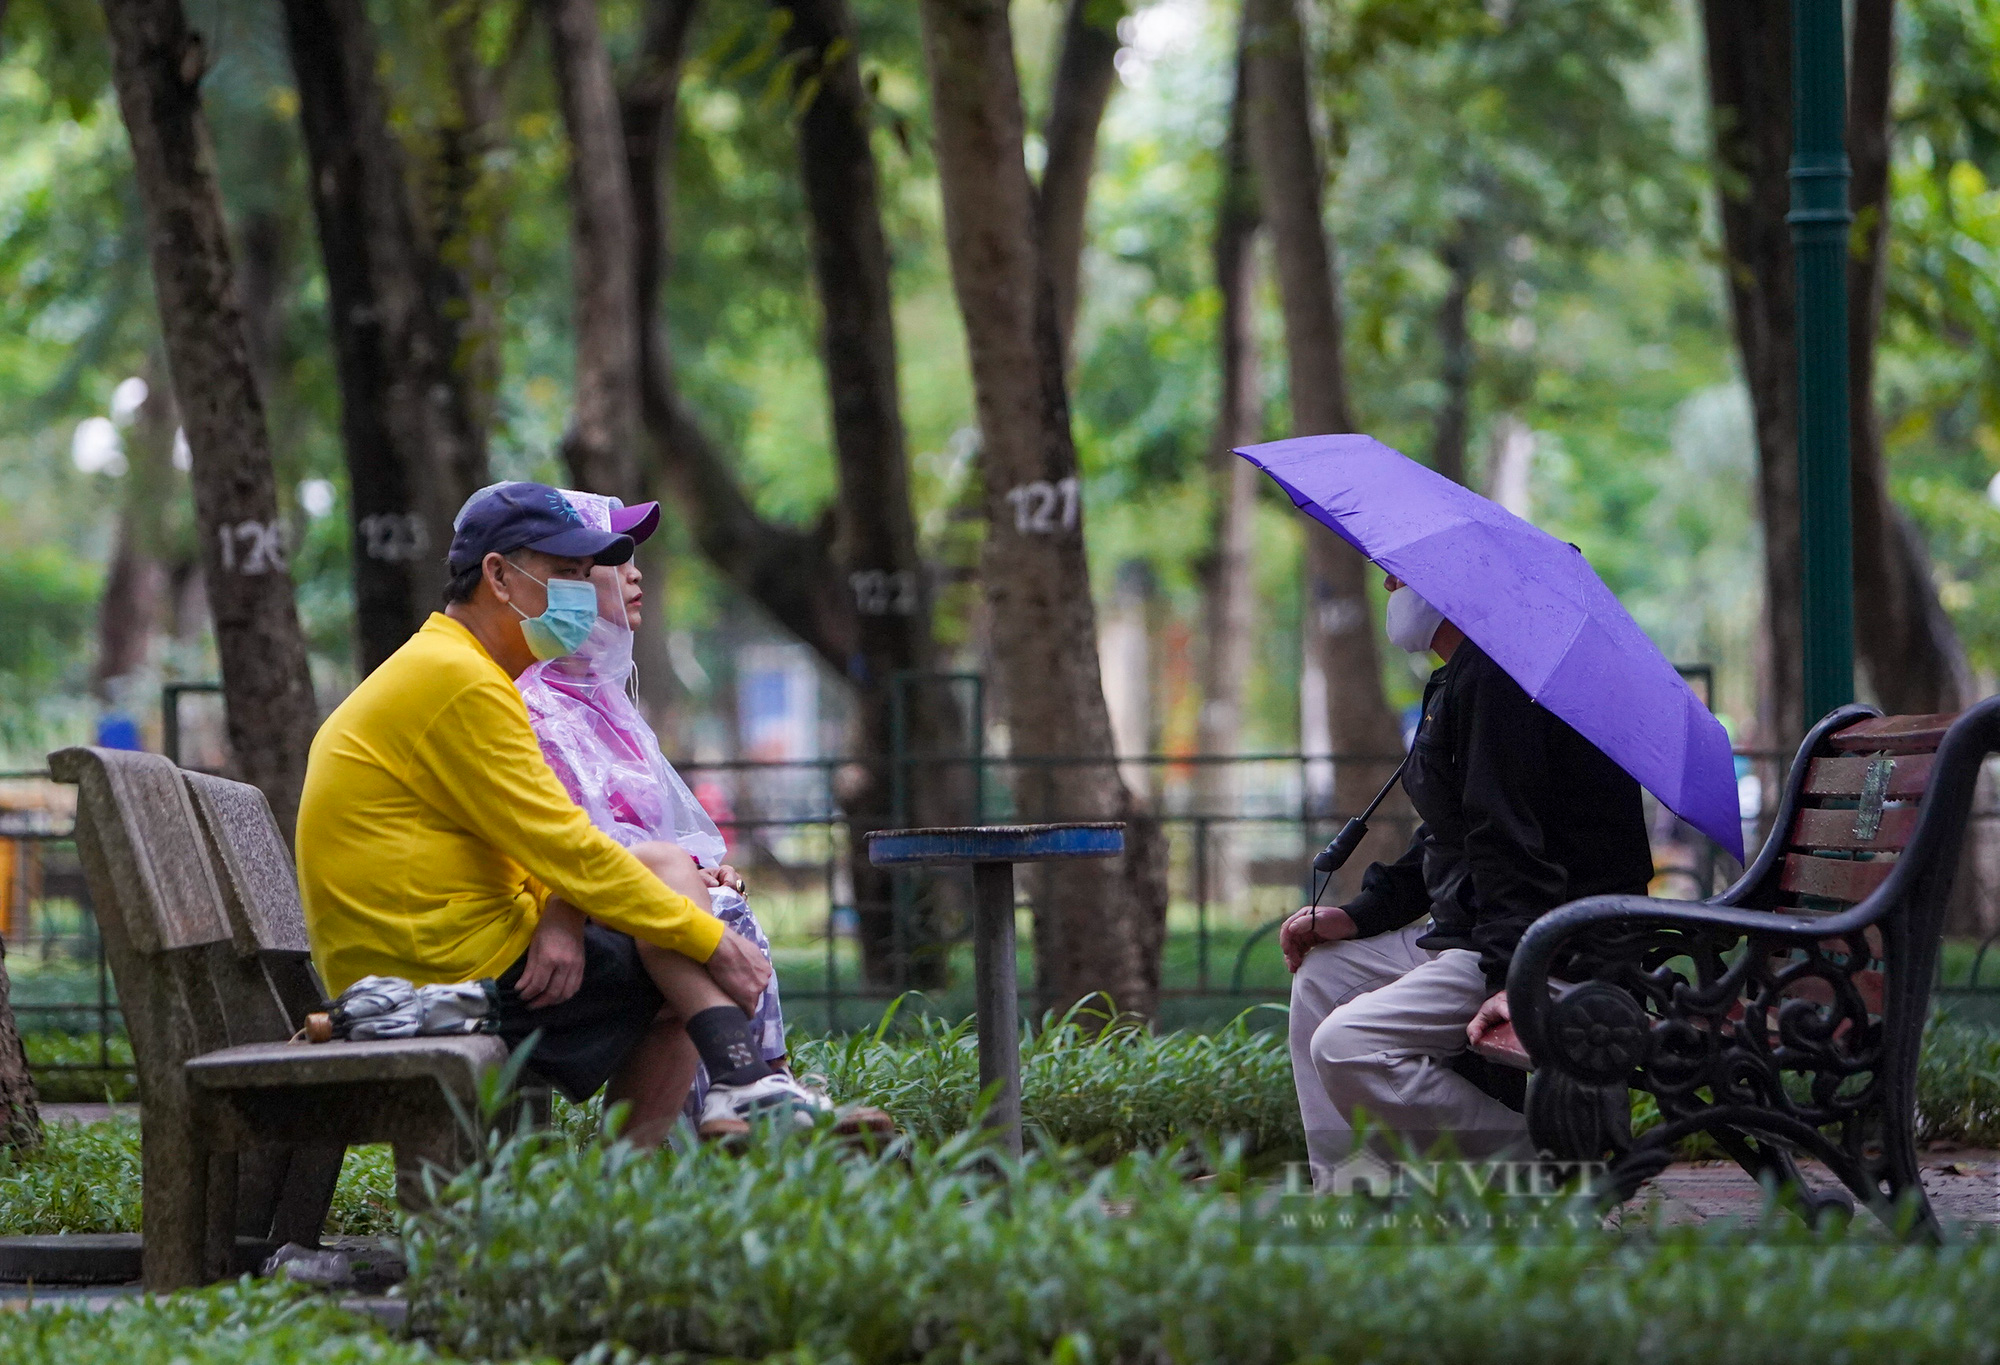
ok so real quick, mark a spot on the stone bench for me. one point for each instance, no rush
(243, 1131)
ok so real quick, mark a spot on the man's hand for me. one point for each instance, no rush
(723, 876)
(1308, 929)
(1492, 1014)
(740, 970)
(555, 957)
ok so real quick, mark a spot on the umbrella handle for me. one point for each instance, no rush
(1335, 855)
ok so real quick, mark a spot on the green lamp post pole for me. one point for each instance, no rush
(1820, 219)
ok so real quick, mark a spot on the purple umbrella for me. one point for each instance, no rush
(1532, 603)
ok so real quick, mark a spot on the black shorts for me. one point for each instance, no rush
(587, 1037)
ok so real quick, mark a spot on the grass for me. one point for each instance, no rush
(81, 1068)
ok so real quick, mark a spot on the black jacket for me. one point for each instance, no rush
(1520, 814)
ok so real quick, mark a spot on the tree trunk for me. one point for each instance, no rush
(1904, 638)
(875, 540)
(1750, 93)
(645, 113)
(128, 611)
(1340, 623)
(604, 418)
(260, 278)
(1103, 923)
(1227, 586)
(1902, 634)
(785, 570)
(406, 427)
(1453, 432)
(157, 63)
(20, 1115)
(852, 588)
(646, 110)
(465, 218)
(1083, 81)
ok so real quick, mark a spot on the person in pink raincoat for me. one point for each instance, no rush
(608, 758)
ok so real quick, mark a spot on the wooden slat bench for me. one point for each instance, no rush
(243, 1133)
(1784, 1016)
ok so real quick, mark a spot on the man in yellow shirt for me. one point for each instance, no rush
(435, 844)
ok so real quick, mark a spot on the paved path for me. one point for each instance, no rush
(88, 1113)
(1963, 1185)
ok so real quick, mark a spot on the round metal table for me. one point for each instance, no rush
(991, 851)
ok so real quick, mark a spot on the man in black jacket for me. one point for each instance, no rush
(1520, 814)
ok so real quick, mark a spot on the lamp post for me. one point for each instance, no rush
(1820, 220)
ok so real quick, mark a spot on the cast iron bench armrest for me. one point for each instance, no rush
(1528, 976)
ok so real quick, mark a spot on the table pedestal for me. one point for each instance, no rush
(996, 997)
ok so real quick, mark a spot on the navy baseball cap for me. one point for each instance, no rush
(529, 516)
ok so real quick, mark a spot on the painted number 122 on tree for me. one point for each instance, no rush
(1042, 508)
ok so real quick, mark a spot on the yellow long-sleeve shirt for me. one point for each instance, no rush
(431, 830)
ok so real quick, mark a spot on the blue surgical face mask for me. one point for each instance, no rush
(565, 624)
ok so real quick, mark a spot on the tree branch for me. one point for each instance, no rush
(1084, 76)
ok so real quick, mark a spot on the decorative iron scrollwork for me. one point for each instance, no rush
(1601, 1030)
(1730, 1031)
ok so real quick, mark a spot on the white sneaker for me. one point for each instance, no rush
(852, 1120)
(729, 1109)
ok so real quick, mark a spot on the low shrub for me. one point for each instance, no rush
(240, 1324)
(1104, 1092)
(1958, 1085)
(927, 1255)
(1106, 1088)
(85, 1178)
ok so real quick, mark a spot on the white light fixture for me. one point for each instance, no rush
(317, 497)
(127, 399)
(96, 448)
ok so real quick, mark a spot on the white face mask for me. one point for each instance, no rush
(1411, 621)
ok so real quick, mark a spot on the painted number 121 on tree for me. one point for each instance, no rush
(1042, 508)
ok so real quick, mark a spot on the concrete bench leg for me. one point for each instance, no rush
(218, 1256)
(311, 1173)
(174, 1201)
(442, 1150)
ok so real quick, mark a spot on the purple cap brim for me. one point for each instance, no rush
(638, 522)
(600, 547)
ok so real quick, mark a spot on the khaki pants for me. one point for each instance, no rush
(1375, 1025)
